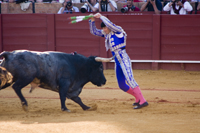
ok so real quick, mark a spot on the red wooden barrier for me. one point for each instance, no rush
(75, 37)
(150, 37)
(1, 38)
(180, 40)
(156, 41)
(51, 32)
(24, 31)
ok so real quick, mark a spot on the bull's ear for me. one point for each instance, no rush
(4, 54)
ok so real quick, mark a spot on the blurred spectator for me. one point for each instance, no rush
(120, 1)
(165, 2)
(138, 0)
(197, 5)
(178, 7)
(67, 7)
(129, 7)
(107, 6)
(39, 1)
(152, 5)
(21, 1)
(90, 6)
(124, 1)
(54, 1)
(48, 1)
(11, 1)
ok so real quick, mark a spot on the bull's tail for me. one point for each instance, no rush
(4, 54)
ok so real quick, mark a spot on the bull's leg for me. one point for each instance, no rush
(78, 100)
(62, 93)
(6, 85)
(17, 86)
(63, 88)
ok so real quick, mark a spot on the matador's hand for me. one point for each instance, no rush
(97, 15)
(92, 18)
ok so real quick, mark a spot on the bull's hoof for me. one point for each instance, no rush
(25, 108)
(66, 110)
(92, 107)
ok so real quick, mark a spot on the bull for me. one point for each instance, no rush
(57, 71)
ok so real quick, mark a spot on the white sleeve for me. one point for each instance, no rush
(75, 9)
(94, 30)
(110, 25)
(114, 4)
(187, 6)
(59, 12)
(166, 7)
(96, 5)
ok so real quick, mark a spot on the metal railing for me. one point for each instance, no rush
(163, 61)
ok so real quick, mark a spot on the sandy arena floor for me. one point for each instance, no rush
(173, 96)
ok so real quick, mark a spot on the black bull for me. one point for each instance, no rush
(56, 71)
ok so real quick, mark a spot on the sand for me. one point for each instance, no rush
(173, 96)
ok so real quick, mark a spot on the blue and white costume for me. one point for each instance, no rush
(116, 42)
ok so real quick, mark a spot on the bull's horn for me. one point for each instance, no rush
(99, 59)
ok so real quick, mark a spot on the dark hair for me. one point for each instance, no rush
(102, 25)
(20, 1)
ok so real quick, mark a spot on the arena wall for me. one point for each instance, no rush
(150, 37)
(13, 8)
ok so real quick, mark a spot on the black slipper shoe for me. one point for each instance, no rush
(142, 105)
(136, 104)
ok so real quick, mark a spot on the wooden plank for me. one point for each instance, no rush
(87, 51)
(24, 16)
(156, 41)
(192, 67)
(25, 31)
(24, 20)
(50, 33)
(74, 33)
(24, 40)
(144, 34)
(1, 34)
(141, 66)
(38, 47)
(195, 39)
(21, 31)
(35, 47)
(180, 20)
(180, 56)
(130, 18)
(189, 30)
(62, 22)
(147, 42)
(181, 48)
(76, 42)
(171, 66)
(135, 25)
(14, 47)
(20, 23)
(139, 51)
(65, 25)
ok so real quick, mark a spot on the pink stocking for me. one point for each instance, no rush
(138, 94)
(130, 91)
